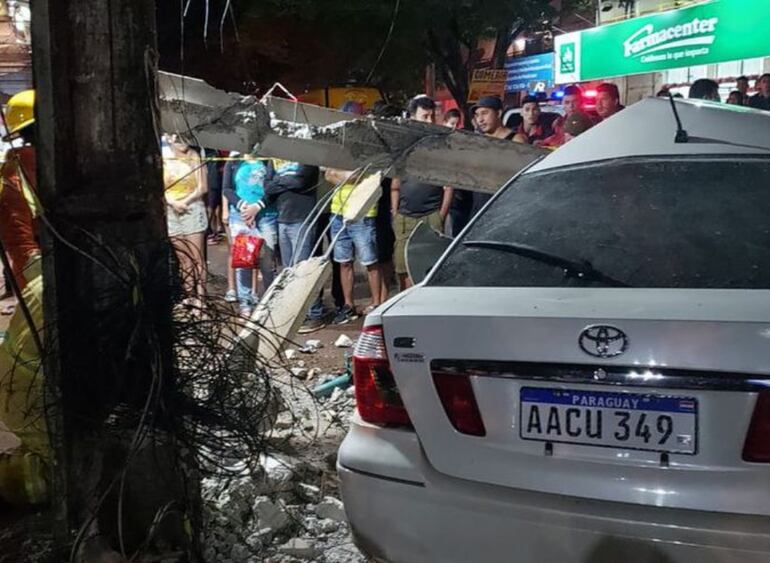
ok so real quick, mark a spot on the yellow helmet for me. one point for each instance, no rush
(20, 111)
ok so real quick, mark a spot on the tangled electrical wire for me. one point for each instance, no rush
(178, 377)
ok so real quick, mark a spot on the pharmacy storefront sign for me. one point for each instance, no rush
(714, 32)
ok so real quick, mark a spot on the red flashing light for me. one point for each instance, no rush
(590, 93)
(756, 448)
(377, 398)
(456, 394)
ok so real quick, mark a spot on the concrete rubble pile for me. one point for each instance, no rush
(287, 507)
(278, 514)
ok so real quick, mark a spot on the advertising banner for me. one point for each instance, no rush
(487, 83)
(531, 74)
(714, 32)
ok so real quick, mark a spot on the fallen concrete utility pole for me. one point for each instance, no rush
(281, 128)
(282, 309)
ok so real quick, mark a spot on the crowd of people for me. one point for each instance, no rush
(708, 89)
(213, 197)
(277, 200)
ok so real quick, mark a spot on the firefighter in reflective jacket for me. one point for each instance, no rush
(18, 203)
(24, 446)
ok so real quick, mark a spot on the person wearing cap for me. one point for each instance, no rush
(575, 124)
(18, 184)
(488, 117)
(532, 127)
(414, 202)
(488, 114)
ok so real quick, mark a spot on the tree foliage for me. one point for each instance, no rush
(310, 43)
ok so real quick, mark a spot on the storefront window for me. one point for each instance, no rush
(700, 71)
(677, 76)
(730, 69)
(752, 66)
(680, 78)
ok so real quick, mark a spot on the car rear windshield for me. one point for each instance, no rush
(657, 223)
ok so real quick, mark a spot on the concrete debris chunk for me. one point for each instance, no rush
(270, 515)
(234, 502)
(259, 538)
(311, 347)
(299, 547)
(344, 553)
(290, 354)
(284, 422)
(327, 525)
(299, 372)
(239, 553)
(279, 474)
(344, 341)
(309, 493)
(337, 394)
(332, 509)
(313, 373)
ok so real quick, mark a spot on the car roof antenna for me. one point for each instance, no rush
(681, 134)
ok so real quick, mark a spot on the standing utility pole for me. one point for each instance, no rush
(107, 297)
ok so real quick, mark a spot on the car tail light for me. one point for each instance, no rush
(377, 397)
(456, 394)
(757, 445)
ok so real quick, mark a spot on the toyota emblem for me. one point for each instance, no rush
(603, 341)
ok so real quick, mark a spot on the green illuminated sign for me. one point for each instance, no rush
(567, 57)
(715, 32)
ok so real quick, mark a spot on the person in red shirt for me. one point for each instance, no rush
(18, 202)
(572, 102)
(532, 127)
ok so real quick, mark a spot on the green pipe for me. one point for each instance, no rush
(326, 389)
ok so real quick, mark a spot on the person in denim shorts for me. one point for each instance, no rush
(353, 240)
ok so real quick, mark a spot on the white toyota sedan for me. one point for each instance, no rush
(584, 376)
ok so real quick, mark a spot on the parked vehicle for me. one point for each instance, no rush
(549, 113)
(585, 374)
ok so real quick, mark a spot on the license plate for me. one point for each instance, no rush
(613, 420)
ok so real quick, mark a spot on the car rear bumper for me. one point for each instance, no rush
(401, 510)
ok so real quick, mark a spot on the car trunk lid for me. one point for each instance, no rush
(699, 356)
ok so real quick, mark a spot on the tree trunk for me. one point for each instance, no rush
(446, 50)
(503, 39)
(107, 290)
